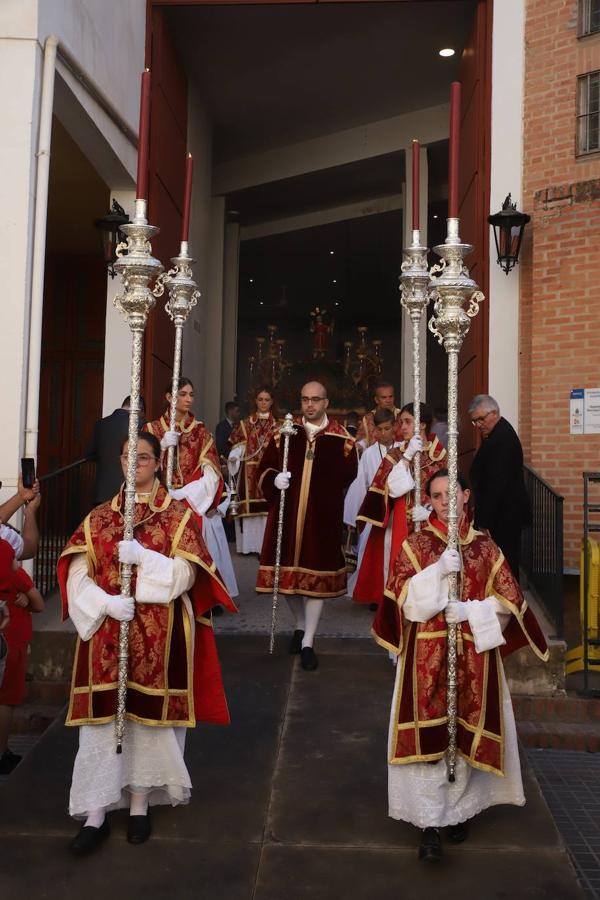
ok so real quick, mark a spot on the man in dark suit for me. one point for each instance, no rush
(225, 427)
(104, 448)
(501, 501)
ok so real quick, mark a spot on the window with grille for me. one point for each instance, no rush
(588, 113)
(589, 17)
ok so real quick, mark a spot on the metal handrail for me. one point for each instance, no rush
(67, 498)
(542, 546)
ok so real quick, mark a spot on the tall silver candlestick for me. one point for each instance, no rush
(456, 298)
(183, 296)
(286, 430)
(414, 296)
(138, 270)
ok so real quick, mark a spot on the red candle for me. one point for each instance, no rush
(144, 139)
(187, 198)
(416, 160)
(454, 150)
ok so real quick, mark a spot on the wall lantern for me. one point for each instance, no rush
(509, 225)
(110, 234)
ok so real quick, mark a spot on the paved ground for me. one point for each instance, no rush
(290, 801)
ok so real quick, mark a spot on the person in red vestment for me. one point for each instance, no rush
(197, 476)
(493, 620)
(384, 399)
(322, 464)
(249, 440)
(174, 677)
(389, 506)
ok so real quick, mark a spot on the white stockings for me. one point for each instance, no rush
(307, 612)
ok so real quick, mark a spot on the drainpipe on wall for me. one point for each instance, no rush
(36, 307)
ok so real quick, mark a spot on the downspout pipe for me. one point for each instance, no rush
(36, 307)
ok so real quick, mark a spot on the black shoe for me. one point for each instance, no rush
(296, 641)
(373, 607)
(430, 848)
(309, 660)
(89, 838)
(9, 761)
(217, 610)
(456, 834)
(139, 829)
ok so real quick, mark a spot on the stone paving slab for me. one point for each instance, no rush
(289, 802)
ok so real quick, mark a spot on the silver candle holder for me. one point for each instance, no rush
(414, 297)
(183, 297)
(138, 270)
(456, 298)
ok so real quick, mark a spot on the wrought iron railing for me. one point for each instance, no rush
(542, 546)
(66, 500)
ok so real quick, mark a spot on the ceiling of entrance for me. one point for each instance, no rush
(273, 75)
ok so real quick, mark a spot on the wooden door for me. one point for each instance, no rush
(72, 366)
(475, 76)
(168, 144)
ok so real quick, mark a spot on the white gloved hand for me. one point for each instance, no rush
(130, 552)
(415, 445)
(169, 439)
(119, 607)
(457, 612)
(233, 465)
(282, 481)
(448, 562)
(420, 513)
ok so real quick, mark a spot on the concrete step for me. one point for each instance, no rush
(560, 735)
(34, 718)
(559, 709)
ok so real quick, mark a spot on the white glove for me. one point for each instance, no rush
(233, 465)
(130, 552)
(169, 439)
(119, 607)
(282, 481)
(415, 445)
(420, 513)
(457, 612)
(448, 562)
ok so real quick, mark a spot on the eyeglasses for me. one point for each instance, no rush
(143, 459)
(313, 399)
(481, 419)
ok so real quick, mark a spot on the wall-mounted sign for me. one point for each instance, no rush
(584, 411)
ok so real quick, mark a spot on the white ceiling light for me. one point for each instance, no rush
(447, 51)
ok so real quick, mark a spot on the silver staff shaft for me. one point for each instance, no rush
(138, 269)
(456, 301)
(414, 287)
(183, 296)
(286, 430)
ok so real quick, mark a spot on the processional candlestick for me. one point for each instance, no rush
(456, 298)
(138, 270)
(286, 430)
(414, 280)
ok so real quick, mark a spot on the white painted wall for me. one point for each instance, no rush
(508, 50)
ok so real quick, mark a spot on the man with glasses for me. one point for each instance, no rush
(322, 463)
(501, 502)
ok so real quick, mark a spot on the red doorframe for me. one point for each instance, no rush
(169, 110)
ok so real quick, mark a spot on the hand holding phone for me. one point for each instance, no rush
(28, 471)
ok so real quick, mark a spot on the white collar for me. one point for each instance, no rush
(313, 430)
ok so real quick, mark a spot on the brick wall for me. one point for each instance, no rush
(560, 269)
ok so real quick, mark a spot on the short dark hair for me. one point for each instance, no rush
(181, 383)
(384, 384)
(383, 415)
(232, 404)
(126, 404)
(426, 412)
(443, 473)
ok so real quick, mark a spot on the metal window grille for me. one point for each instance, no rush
(588, 113)
(589, 17)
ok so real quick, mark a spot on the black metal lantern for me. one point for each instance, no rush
(111, 235)
(509, 225)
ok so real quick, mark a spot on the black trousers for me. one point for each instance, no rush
(509, 541)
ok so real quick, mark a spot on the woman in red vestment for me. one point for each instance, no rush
(174, 677)
(493, 620)
(197, 477)
(248, 441)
